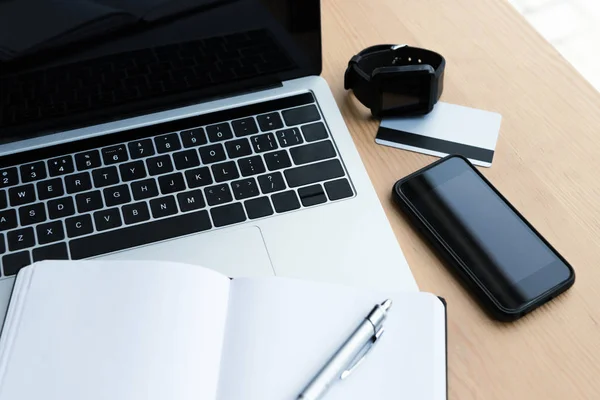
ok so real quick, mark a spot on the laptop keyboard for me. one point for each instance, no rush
(135, 187)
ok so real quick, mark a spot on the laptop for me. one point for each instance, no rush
(192, 131)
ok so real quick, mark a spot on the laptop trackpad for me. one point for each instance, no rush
(238, 252)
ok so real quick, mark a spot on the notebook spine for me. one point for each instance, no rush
(445, 303)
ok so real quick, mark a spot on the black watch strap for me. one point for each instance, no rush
(361, 67)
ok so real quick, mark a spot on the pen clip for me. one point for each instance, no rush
(360, 357)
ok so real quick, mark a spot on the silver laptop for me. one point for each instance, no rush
(194, 131)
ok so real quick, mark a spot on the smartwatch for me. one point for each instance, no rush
(396, 80)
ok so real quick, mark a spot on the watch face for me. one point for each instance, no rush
(405, 92)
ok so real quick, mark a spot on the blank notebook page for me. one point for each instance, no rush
(121, 331)
(280, 332)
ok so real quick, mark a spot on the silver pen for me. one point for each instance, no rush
(350, 355)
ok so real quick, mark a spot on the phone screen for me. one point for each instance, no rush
(499, 247)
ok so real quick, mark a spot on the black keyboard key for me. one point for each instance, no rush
(186, 159)
(159, 165)
(144, 189)
(50, 232)
(137, 235)
(312, 195)
(87, 160)
(33, 172)
(314, 132)
(50, 188)
(114, 154)
(289, 137)
(219, 132)
(20, 239)
(313, 173)
(301, 115)
(141, 148)
(251, 166)
(32, 214)
(89, 201)
(57, 251)
(8, 219)
(61, 166)
(270, 183)
(3, 199)
(166, 143)
(225, 171)
(244, 127)
(238, 148)
(105, 176)
(79, 225)
(193, 137)
(198, 177)
(264, 142)
(312, 152)
(61, 208)
(258, 208)
(78, 182)
(132, 171)
(227, 215)
(277, 160)
(269, 122)
(338, 189)
(21, 195)
(12, 263)
(218, 194)
(192, 200)
(9, 177)
(163, 206)
(245, 188)
(171, 183)
(212, 153)
(285, 201)
(136, 212)
(113, 196)
(107, 219)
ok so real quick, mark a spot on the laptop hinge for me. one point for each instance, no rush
(262, 86)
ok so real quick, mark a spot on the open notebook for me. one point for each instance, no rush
(99, 330)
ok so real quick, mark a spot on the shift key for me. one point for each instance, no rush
(313, 173)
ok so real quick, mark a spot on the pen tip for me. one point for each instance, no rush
(386, 305)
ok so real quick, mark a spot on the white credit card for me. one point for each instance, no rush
(448, 129)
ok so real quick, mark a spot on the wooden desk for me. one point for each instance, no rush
(547, 163)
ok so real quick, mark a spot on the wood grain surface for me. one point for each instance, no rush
(547, 164)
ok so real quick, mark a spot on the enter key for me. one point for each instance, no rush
(312, 152)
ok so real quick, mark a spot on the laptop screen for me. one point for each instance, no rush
(65, 64)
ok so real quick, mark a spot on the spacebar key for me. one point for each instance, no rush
(314, 173)
(137, 235)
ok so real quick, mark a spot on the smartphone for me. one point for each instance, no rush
(507, 265)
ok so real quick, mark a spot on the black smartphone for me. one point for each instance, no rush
(509, 267)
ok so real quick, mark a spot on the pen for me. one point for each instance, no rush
(350, 354)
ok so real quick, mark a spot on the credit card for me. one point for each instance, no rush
(448, 129)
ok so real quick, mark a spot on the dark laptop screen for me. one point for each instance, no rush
(71, 63)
